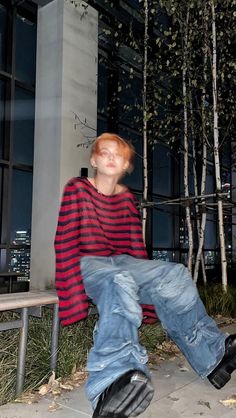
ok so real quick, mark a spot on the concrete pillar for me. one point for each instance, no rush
(66, 83)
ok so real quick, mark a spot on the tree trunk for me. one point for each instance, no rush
(216, 152)
(186, 165)
(145, 139)
(201, 219)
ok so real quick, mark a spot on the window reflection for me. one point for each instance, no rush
(135, 179)
(20, 257)
(3, 25)
(1, 117)
(25, 49)
(130, 99)
(162, 172)
(21, 203)
(23, 143)
(162, 230)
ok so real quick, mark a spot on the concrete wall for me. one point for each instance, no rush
(66, 83)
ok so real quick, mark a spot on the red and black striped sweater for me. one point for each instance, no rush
(91, 223)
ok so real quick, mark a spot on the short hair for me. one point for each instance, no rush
(126, 148)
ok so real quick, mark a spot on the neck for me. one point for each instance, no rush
(105, 185)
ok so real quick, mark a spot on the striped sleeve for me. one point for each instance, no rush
(73, 302)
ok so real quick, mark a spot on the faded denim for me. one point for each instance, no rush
(118, 285)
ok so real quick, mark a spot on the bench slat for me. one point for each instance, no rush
(27, 299)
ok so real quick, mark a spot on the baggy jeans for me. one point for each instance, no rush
(118, 285)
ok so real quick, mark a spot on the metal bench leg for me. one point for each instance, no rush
(20, 376)
(55, 337)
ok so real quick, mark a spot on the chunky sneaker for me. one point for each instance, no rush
(128, 396)
(222, 373)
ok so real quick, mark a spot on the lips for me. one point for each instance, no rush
(111, 165)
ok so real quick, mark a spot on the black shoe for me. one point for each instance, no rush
(128, 396)
(222, 373)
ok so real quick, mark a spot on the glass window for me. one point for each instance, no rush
(226, 153)
(210, 183)
(101, 126)
(163, 255)
(130, 99)
(21, 204)
(25, 49)
(1, 188)
(134, 3)
(20, 259)
(134, 180)
(162, 229)
(102, 87)
(3, 253)
(162, 173)
(3, 39)
(1, 117)
(23, 142)
(210, 241)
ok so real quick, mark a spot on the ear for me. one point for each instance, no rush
(126, 165)
(93, 162)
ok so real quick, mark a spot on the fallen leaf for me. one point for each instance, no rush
(44, 389)
(230, 402)
(66, 386)
(28, 398)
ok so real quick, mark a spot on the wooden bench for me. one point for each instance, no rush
(30, 303)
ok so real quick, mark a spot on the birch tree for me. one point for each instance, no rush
(145, 118)
(216, 150)
(201, 216)
(186, 139)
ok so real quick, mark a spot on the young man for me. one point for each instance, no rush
(100, 254)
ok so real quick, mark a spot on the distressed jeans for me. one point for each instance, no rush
(117, 286)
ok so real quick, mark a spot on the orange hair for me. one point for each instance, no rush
(125, 148)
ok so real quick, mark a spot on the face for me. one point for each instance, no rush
(110, 160)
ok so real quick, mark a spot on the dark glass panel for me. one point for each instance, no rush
(130, 99)
(3, 38)
(162, 173)
(20, 260)
(210, 258)
(1, 192)
(226, 153)
(162, 229)
(134, 3)
(102, 87)
(134, 180)
(1, 117)
(23, 141)
(25, 50)
(101, 126)
(162, 255)
(21, 206)
(210, 241)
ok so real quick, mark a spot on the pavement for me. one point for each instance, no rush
(179, 392)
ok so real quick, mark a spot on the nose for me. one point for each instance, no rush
(111, 156)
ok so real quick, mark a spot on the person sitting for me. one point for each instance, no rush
(100, 254)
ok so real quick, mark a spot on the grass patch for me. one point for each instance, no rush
(74, 344)
(218, 302)
(75, 341)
